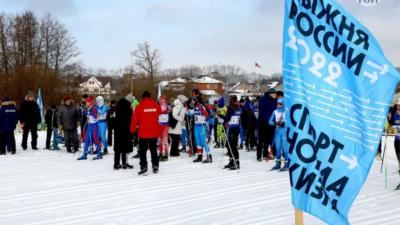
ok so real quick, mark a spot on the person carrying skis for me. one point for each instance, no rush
(91, 133)
(200, 115)
(232, 123)
(163, 138)
(277, 119)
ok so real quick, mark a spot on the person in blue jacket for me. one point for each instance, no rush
(232, 122)
(8, 123)
(278, 120)
(102, 110)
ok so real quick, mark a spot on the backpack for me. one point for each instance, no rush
(171, 120)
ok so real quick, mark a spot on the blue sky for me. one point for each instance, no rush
(200, 32)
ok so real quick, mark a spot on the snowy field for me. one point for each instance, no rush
(45, 187)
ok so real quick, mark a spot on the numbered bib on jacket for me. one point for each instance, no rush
(220, 120)
(163, 119)
(235, 120)
(199, 119)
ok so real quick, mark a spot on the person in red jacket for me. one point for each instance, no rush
(145, 119)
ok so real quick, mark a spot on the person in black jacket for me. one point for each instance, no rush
(122, 137)
(8, 123)
(266, 132)
(111, 121)
(51, 124)
(29, 118)
(249, 124)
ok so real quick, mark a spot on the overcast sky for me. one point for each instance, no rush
(199, 32)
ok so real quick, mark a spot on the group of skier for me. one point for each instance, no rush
(195, 123)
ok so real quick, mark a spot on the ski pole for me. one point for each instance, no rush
(384, 150)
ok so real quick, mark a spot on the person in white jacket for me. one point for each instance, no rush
(178, 113)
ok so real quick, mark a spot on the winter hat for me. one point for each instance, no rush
(146, 94)
(195, 92)
(234, 98)
(113, 102)
(90, 100)
(100, 100)
(30, 94)
(129, 97)
(66, 98)
(85, 96)
(182, 98)
(271, 91)
(221, 102)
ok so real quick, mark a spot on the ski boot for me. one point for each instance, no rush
(164, 158)
(143, 172)
(277, 165)
(236, 165)
(160, 157)
(285, 167)
(105, 151)
(241, 147)
(230, 164)
(208, 159)
(199, 159)
(98, 157)
(183, 149)
(2, 152)
(155, 169)
(117, 167)
(397, 188)
(127, 166)
(83, 157)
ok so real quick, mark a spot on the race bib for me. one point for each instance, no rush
(397, 130)
(163, 119)
(235, 120)
(221, 121)
(199, 119)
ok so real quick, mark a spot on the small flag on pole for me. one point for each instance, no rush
(39, 101)
(257, 65)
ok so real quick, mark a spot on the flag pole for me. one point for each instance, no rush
(298, 217)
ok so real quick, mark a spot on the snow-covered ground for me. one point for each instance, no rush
(45, 187)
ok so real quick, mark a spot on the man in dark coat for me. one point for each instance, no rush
(266, 132)
(122, 137)
(29, 118)
(67, 120)
(249, 124)
(8, 123)
(51, 124)
(111, 121)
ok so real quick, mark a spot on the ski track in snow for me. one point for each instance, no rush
(52, 188)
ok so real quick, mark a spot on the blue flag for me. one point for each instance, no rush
(39, 101)
(338, 86)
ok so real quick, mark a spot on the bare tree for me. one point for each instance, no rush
(147, 60)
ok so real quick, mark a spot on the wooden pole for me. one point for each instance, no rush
(298, 217)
